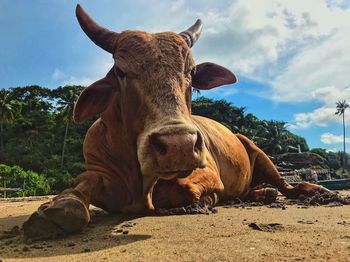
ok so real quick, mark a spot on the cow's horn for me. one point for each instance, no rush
(192, 34)
(99, 35)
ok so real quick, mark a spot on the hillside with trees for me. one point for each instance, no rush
(41, 147)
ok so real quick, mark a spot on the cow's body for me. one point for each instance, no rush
(235, 166)
(147, 150)
(111, 157)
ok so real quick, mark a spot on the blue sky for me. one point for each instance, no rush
(291, 57)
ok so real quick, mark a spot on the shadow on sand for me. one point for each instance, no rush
(105, 231)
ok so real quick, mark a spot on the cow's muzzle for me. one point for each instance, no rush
(177, 154)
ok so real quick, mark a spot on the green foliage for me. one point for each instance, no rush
(31, 183)
(57, 179)
(320, 152)
(9, 108)
(334, 160)
(296, 140)
(221, 111)
(36, 138)
(341, 106)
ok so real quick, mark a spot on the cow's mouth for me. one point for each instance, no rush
(177, 173)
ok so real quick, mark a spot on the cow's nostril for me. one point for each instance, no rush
(199, 143)
(157, 144)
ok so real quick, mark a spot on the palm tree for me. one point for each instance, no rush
(8, 109)
(275, 139)
(197, 92)
(341, 107)
(254, 129)
(66, 106)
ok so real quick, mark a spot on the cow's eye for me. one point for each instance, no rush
(193, 71)
(118, 72)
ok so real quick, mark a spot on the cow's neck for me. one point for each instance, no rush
(123, 149)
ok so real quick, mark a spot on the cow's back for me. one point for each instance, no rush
(230, 155)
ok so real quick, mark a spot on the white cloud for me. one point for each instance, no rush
(332, 150)
(296, 47)
(63, 79)
(302, 54)
(58, 75)
(83, 81)
(330, 139)
(95, 71)
(324, 63)
(320, 117)
(324, 115)
(274, 40)
(299, 48)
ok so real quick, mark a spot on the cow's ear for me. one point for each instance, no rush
(94, 99)
(210, 75)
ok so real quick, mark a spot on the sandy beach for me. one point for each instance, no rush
(259, 233)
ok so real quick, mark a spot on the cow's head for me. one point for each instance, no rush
(151, 85)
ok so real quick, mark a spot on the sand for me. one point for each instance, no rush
(259, 233)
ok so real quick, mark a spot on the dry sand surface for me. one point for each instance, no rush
(309, 234)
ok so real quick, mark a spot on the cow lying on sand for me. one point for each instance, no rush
(146, 150)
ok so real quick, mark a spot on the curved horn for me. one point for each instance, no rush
(192, 34)
(99, 35)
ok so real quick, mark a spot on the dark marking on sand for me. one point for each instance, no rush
(271, 227)
(187, 210)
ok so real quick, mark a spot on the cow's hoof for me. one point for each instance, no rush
(270, 195)
(61, 217)
(266, 195)
(306, 189)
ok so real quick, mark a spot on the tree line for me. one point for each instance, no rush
(37, 134)
(41, 147)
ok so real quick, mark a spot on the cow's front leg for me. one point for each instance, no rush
(67, 213)
(144, 202)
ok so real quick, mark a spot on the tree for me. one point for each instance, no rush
(294, 141)
(341, 107)
(8, 109)
(66, 106)
(197, 92)
(31, 128)
(276, 137)
(220, 110)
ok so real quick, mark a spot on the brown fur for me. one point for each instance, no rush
(155, 98)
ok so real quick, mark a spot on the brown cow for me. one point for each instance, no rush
(146, 132)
